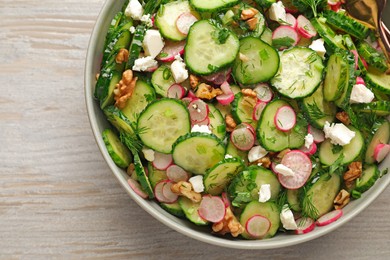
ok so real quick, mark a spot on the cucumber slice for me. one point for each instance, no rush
(266, 36)
(119, 41)
(209, 47)
(118, 152)
(273, 139)
(328, 154)
(380, 108)
(166, 18)
(381, 136)
(318, 110)
(268, 209)
(368, 178)
(335, 77)
(343, 100)
(233, 151)
(242, 109)
(293, 200)
(378, 80)
(118, 119)
(136, 45)
(257, 61)
(142, 177)
(217, 122)
(212, 6)
(374, 58)
(331, 39)
(162, 79)
(323, 192)
(162, 122)
(155, 176)
(142, 95)
(190, 210)
(174, 209)
(216, 178)
(198, 152)
(351, 47)
(246, 185)
(300, 72)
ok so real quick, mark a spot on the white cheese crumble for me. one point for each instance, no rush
(318, 46)
(144, 63)
(338, 133)
(228, 156)
(146, 20)
(152, 43)
(201, 129)
(277, 12)
(309, 139)
(361, 94)
(264, 192)
(134, 10)
(197, 183)
(132, 29)
(179, 71)
(284, 170)
(287, 218)
(256, 152)
(148, 154)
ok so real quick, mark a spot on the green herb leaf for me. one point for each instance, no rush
(283, 42)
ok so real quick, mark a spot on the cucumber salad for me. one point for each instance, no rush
(249, 117)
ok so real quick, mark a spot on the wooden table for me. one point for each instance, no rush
(58, 198)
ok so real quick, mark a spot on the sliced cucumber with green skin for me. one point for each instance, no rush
(344, 100)
(257, 61)
(300, 73)
(162, 79)
(373, 57)
(242, 109)
(217, 123)
(118, 119)
(273, 139)
(190, 210)
(162, 122)
(118, 152)
(331, 39)
(351, 47)
(212, 6)
(380, 108)
(155, 176)
(336, 77)
(209, 47)
(349, 25)
(142, 95)
(198, 152)
(216, 178)
(108, 97)
(142, 177)
(318, 110)
(136, 45)
(233, 151)
(323, 192)
(113, 27)
(174, 209)
(166, 18)
(328, 154)
(266, 36)
(246, 185)
(381, 136)
(119, 41)
(378, 80)
(268, 209)
(293, 200)
(368, 178)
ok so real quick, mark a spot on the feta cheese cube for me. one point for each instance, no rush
(152, 43)
(309, 139)
(201, 129)
(264, 192)
(147, 20)
(361, 94)
(144, 63)
(338, 133)
(256, 152)
(287, 218)
(277, 12)
(197, 183)
(148, 154)
(284, 170)
(318, 46)
(179, 71)
(132, 29)
(134, 10)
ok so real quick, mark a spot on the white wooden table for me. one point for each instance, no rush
(58, 198)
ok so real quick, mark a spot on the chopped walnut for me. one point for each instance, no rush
(248, 13)
(252, 23)
(185, 189)
(249, 92)
(194, 81)
(122, 56)
(230, 123)
(343, 117)
(354, 171)
(342, 199)
(229, 224)
(206, 91)
(264, 161)
(124, 89)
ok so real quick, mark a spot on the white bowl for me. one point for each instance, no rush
(99, 123)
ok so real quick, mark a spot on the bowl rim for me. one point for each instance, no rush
(111, 6)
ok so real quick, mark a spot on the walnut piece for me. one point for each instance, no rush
(230, 123)
(343, 117)
(194, 81)
(264, 161)
(124, 89)
(248, 13)
(122, 56)
(206, 91)
(247, 92)
(183, 188)
(342, 199)
(229, 224)
(252, 23)
(354, 171)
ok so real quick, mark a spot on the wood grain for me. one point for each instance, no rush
(58, 198)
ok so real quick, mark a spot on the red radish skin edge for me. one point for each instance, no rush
(158, 191)
(264, 92)
(162, 161)
(360, 80)
(171, 49)
(225, 87)
(318, 135)
(254, 221)
(212, 208)
(258, 109)
(206, 121)
(301, 164)
(309, 151)
(136, 187)
(168, 194)
(225, 199)
(305, 28)
(184, 22)
(286, 31)
(381, 151)
(329, 217)
(305, 225)
(199, 110)
(291, 20)
(285, 118)
(225, 99)
(176, 91)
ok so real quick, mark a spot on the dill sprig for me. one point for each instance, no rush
(307, 5)
(314, 111)
(131, 141)
(308, 208)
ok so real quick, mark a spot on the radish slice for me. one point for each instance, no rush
(225, 199)
(285, 118)
(305, 225)
(283, 32)
(152, 69)
(305, 28)
(257, 226)
(158, 191)
(318, 135)
(175, 173)
(258, 109)
(220, 77)
(360, 80)
(168, 194)
(242, 137)
(199, 110)
(206, 121)
(225, 99)
(291, 20)
(250, 127)
(185, 21)
(176, 91)
(136, 187)
(225, 87)
(309, 151)
(170, 50)
(329, 217)
(162, 161)
(335, 6)
(264, 92)
(300, 164)
(333, 2)
(191, 95)
(381, 151)
(356, 56)
(212, 208)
